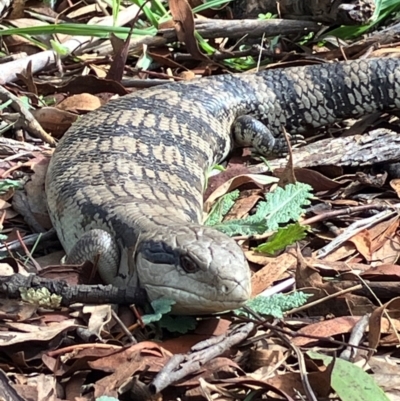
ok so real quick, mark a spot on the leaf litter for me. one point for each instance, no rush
(297, 346)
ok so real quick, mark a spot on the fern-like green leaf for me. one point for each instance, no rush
(221, 208)
(242, 227)
(275, 305)
(285, 204)
(281, 206)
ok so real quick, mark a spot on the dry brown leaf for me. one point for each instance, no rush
(204, 330)
(236, 182)
(16, 310)
(184, 26)
(274, 270)
(258, 258)
(376, 321)
(100, 316)
(290, 383)
(244, 204)
(35, 191)
(213, 327)
(100, 71)
(79, 103)
(6, 269)
(140, 359)
(307, 275)
(183, 343)
(362, 242)
(320, 380)
(327, 328)
(5, 207)
(386, 272)
(37, 387)
(346, 250)
(217, 367)
(72, 274)
(54, 120)
(344, 202)
(383, 229)
(318, 181)
(145, 348)
(395, 184)
(389, 251)
(245, 383)
(217, 179)
(266, 360)
(332, 268)
(30, 332)
(53, 258)
(358, 305)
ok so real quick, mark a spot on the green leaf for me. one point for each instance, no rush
(285, 204)
(281, 206)
(144, 61)
(242, 227)
(5, 104)
(221, 208)
(116, 5)
(350, 382)
(275, 305)
(152, 17)
(267, 16)
(6, 184)
(384, 8)
(60, 49)
(178, 324)
(79, 29)
(282, 238)
(218, 167)
(160, 307)
(210, 4)
(40, 297)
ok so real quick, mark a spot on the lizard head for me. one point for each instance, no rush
(201, 269)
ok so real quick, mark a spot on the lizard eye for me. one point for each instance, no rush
(188, 265)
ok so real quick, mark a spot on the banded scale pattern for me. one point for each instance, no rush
(134, 171)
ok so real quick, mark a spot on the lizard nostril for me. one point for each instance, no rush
(224, 289)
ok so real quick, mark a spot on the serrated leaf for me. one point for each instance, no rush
(242, 227)
(221, 208)
(275, 305)
(178, 324)
(350, 382)
(282, 238)
(281, 206)
(285, 204)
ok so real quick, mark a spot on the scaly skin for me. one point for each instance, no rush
(134, 170)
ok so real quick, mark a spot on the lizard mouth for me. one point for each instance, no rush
(189, 302)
